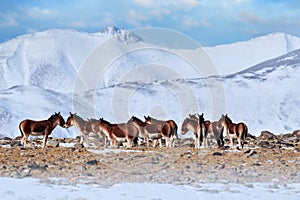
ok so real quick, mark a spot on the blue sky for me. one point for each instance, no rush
(210, 22)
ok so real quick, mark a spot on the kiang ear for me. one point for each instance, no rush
(145, 117)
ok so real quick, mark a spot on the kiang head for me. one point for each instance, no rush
(70, 121)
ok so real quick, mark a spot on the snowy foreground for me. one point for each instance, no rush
(30, 188)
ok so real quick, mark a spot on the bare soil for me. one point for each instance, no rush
(262, 160)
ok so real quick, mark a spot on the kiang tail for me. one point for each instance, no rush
(245, 130)
(174, 130)
(22, 134)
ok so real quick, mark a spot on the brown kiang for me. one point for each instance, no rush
(168, 129)
(237, 131)
(155, 132)
(204, 130)
(190, 125)
(80, 124)
(119, 132)
(38, 128)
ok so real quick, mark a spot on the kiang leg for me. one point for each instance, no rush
(196, 141)
(231, 142)
(113, 143)
(24, 140)
(167, 142)
(160, 142)
(129, 143)
(146, 140)
(154, 142)
(104, 138)
(239, 142)
(45, 140)
(205, 142)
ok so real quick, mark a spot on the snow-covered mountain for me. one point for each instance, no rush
(232, 58)
(38, 73)
(51, 59)
(267, 94)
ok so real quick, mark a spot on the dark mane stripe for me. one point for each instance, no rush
(104, 121)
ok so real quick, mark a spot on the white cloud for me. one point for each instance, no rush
(204, 23)
(8, 20)
(192, 3)
(135, 18)
(78, 24)
(37, 12)
(251, 17)
(145, 3)
(189, 23)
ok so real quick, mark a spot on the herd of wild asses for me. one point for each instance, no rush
(136, 131)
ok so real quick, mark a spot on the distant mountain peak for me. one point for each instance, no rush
(123, 35)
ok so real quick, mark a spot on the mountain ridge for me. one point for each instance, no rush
(38, 71)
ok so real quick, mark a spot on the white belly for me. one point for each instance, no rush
(154, 135)
(233, 136)
(37, 133)
(121, 139)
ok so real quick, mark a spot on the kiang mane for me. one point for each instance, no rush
(226, 117)
(104, 121)
(52, 117)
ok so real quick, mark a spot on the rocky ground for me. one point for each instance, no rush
(267, 158)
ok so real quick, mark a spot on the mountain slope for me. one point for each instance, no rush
(51, 59)
(38, 72)
(238, 56)
(266, 95)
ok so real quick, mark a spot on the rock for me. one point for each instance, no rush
(33, 165)
(155, 160)
(250, 153)
(186, 142)
(266, 135)
(266, 144)
(217, 154)
(92, 162)
(26, 172)
(252, 137)
(52, 143)
(78, 146)
(296, 133)
(15, 174)
(78, 138)
(222, 166)
(18, 138)
(187, 154)
(6, 138)
(15, 143)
